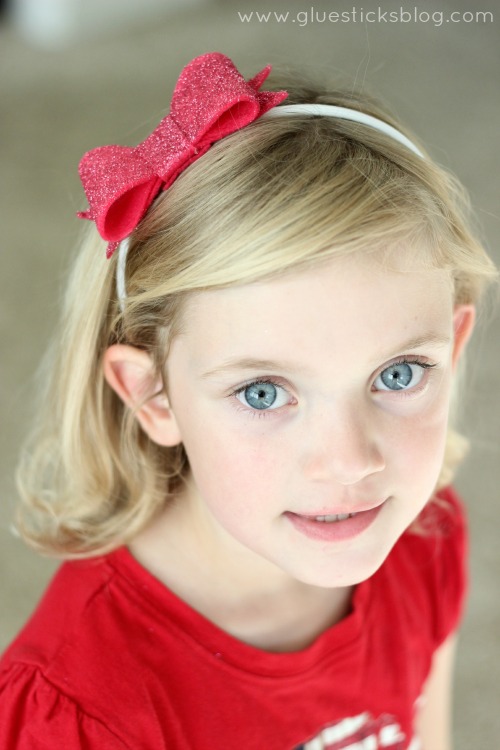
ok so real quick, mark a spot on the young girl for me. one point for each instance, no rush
(245, 448)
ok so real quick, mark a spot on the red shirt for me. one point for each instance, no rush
(111, 659)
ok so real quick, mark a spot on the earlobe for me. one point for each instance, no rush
(130, 373)
(464, 317)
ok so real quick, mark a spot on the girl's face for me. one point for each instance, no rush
(323, 393)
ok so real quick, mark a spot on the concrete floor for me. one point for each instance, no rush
(443, 80)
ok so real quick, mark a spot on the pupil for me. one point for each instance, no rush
(261, 395)
(397, 377)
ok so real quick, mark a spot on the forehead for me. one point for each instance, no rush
(344, 304)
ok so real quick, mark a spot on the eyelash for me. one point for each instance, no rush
(265, 413)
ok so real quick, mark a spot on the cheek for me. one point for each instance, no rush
(417, 446)
(236, 470)
(238, 485)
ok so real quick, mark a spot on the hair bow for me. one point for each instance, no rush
(211, 100)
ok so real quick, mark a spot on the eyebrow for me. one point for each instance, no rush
(252, 363)
(249, 363)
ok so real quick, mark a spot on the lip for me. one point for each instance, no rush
(337, 531)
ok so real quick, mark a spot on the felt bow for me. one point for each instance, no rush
(211, 100)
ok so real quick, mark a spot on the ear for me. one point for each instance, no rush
(464, 317)
(130, 373)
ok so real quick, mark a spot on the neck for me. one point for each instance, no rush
(240, 592)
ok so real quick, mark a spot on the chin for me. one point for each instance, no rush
(349, 571)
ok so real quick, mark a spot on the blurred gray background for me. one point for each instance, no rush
(101, 72)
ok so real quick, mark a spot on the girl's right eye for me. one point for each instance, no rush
(262, 395)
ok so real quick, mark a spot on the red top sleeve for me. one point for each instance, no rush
(444, 563)
(453, 582)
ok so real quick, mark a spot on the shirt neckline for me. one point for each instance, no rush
(213, 642)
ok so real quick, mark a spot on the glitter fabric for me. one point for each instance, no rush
(211, 100)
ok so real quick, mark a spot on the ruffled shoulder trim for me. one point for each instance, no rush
(35, 715)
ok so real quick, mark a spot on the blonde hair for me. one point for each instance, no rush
(279, 195)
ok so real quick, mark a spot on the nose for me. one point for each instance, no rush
(341, 444)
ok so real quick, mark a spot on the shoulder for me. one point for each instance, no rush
(431, 560)
(64, 662)
(70, 596)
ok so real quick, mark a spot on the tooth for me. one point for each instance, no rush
(334, 519)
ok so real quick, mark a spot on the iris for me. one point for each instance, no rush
(260, 395)
(397, 376)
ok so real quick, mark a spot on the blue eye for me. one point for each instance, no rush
(400, 376)
(261, 395)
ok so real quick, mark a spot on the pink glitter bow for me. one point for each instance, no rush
(211, 100)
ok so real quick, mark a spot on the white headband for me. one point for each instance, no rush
(329, 110)
(342, 113)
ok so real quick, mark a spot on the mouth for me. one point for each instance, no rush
(335, 526)
(330, 515)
